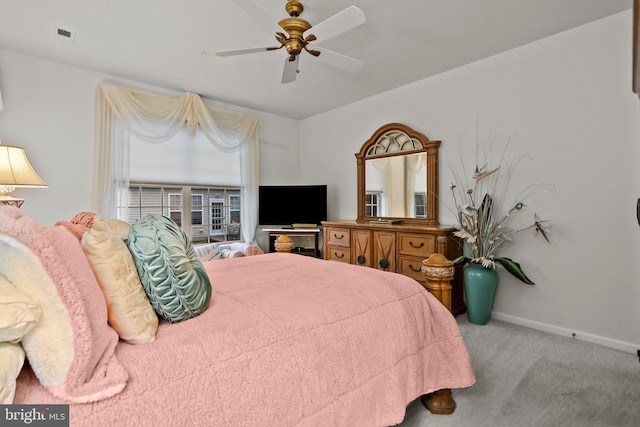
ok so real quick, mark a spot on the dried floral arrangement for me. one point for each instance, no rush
(483, 214)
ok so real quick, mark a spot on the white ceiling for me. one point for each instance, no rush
(159, 42)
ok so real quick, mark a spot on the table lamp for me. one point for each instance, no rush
(15, 172)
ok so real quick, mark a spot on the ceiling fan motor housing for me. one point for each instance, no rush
(295, 27)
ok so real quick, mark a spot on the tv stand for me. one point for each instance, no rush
(298, 236)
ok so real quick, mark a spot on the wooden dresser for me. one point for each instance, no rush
(396, 248)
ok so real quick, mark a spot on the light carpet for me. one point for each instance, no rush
(527, 377)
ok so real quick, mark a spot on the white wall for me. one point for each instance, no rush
(49, 109)
(567, 100)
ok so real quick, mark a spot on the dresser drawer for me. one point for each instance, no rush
(410, 266)
(419, 245)
(339, 254)
(338, 236)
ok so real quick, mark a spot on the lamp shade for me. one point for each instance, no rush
(15, 169)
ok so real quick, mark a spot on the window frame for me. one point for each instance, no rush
(371, 205)
(417, 206)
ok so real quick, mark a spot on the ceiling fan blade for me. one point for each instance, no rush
(349, 18)
(244, 51)
(338, 60)
(290, 70)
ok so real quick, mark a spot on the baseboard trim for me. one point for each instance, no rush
(582, 336)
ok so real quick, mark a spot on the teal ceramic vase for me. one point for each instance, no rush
(480, 286)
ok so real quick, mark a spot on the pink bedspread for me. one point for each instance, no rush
(288, 340)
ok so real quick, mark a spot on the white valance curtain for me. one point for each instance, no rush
(386, 178)
(414, 164)
(154, 118)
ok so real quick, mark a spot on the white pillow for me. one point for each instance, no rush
(11, 361)
(19, 313)
(226, 253)
(208, 252)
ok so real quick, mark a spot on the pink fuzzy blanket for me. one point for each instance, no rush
(288, 340)
(49, 263)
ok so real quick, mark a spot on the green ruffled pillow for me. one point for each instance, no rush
(172, 276)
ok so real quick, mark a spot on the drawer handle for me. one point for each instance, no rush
(335, 254)
(338, 237)
(361, 260)
(384, 264)
(412, 268)
(413, 245)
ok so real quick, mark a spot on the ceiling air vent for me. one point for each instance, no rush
(65, 35)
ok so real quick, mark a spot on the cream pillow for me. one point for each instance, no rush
(19, 313)
(49, 344)
(129, 310)
(11, 361)
(112, 226)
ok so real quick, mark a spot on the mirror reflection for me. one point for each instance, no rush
(398, 177)
(396, 186)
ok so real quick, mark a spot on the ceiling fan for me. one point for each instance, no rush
(295, 41)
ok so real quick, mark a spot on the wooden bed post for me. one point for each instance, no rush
(438, 271)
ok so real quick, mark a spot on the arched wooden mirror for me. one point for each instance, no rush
(398, 177)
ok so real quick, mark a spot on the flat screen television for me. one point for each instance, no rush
(284, 205)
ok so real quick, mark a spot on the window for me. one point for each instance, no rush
(233, 229)
(372, 204)
(217, 215)
(175, 207)
(420, 203)
(234, 207)
(213, 214)
(197, 213)
(148, 199)
(175, 131)
(204, 212)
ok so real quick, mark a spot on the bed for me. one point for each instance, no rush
(286, 340)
